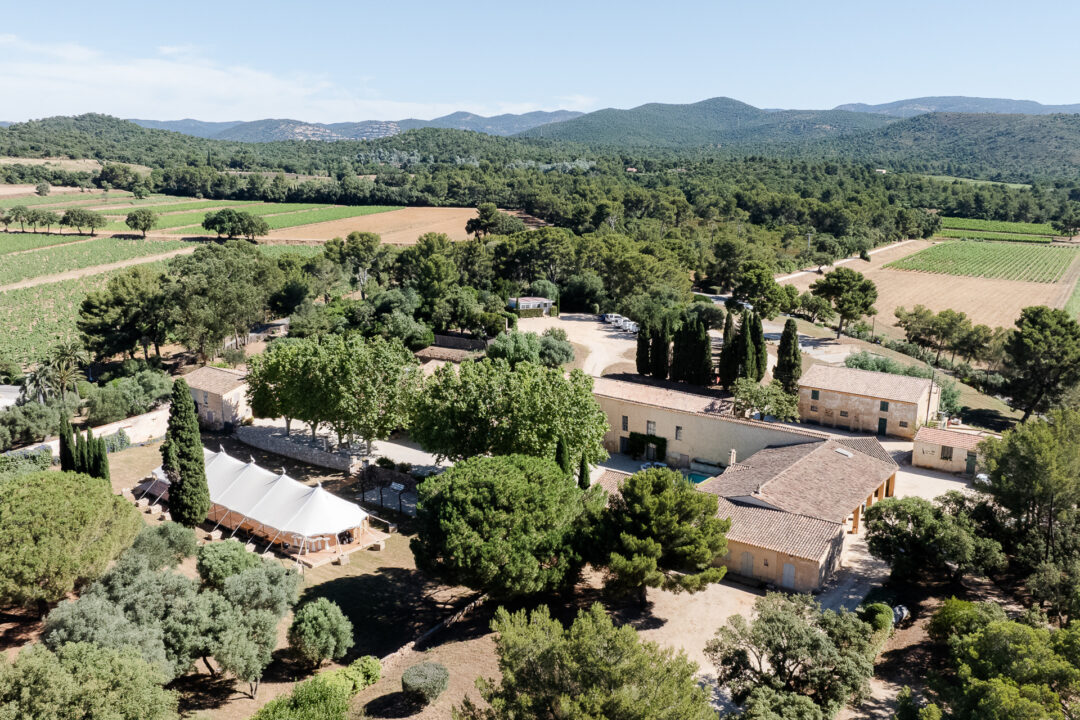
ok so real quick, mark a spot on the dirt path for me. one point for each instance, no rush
(1067, 282)
(94, 270)
(844, 261)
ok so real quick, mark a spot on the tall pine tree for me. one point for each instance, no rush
(182, 460)
(789, 359)
(642, 357)
(761, 351)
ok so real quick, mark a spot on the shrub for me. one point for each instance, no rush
(164, 545)
(355, 677)
(386, 463)
(233, 356)
(25, 461)
(956, 618)
(425, 682)
(530, 312)
(878, 615)
(116, 442)
(320, 631)
(219, 561)
(316, 699)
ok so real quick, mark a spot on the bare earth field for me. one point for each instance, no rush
(996, 303)
(397, 227)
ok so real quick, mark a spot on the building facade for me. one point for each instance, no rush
(220, 396)
(951, 451)
(695, 431)
(867, 401)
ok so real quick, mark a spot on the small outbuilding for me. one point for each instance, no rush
(542, 304)
(954, 451)
(220, 396)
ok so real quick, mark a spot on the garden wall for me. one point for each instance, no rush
(297, 446)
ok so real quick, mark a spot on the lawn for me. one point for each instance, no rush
(1006, 261)
(99, 251)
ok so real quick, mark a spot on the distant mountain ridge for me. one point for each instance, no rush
(273, 130)
(716, 121)
(959, 104)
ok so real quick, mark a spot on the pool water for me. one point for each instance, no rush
(696, 477)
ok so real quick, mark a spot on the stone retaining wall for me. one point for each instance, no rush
(460, 343)
(297, 448)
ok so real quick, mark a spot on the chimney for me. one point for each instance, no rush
(731, 458)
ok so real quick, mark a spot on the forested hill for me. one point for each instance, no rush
(717, 121)
(959, 104)
(994, 147)
(274, 130)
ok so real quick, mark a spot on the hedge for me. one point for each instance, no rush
(25, 461)
(530, 312)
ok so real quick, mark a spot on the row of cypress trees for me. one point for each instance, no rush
(83, 453)
(744, 354)
(684, 356)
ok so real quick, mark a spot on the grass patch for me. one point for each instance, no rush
(997, 226)
(100, 251)
(1005, 261)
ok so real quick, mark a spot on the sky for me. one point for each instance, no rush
(361, 60)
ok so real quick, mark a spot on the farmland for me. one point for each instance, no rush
(996, 261)
(955, 223)
(287, 215)
(396, 227)
(16, 242)
(99, 251)
(998, 236)
(968, 294)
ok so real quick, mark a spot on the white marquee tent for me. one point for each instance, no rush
(274, 506)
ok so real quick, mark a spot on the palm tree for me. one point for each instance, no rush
(37, 384)
(64, 375)
(71, 351)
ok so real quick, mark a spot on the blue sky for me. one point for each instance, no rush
(338, 61)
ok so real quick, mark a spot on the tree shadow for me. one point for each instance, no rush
(391, 705)
(200, 692)
(18, 627)
(388, 607)
(990, 419)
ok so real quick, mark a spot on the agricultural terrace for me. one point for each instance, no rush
(964, 293)
(986, 260)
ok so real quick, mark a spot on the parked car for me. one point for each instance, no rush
(612, 318)
(631, 327)
(654, 464)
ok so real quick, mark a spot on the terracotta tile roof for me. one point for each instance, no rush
(824, 480)
(216, 381)
(678, 401)
(610, 480)
(798, 535)
(867, 383)
(951, 438)
(868, 445)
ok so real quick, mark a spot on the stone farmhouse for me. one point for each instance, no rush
(220, 396)
(867, 401)
(952, 451)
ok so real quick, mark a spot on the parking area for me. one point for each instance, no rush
(608, 347)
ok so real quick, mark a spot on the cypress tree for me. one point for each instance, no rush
(761, 351)
(562, 456)
(789, 358)
(729, 328)
(678, 353)
(78, 459)
(659, 347)
(729, 356)
(101, 466)
(642, 357)
(88, 448)
(67, 449)
(182, 460)
(699, 362)
(583, 473)
(745, 350)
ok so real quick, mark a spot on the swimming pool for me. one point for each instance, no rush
(696, 477)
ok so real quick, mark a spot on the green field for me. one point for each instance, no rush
(123, 210)
(99, 251)
(16, 241)
(1000, 236)
(1004, 261)
(326, 215)
(36, 318)
(997, 226)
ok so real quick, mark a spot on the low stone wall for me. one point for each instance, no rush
(460, 343)
(139, 429)
(298, 447)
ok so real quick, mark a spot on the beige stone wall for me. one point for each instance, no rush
(862, 412)
(704, 438)
(769, 565)
(215, 410)
(928, 455)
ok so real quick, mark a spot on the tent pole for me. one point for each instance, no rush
(272, 540)
(221, 520)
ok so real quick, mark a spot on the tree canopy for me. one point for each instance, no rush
(851, 294)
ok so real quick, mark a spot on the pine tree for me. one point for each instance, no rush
(67, 448)
(583, 473)
(659, 349)
(642, 358)
(761, 351)
(562, 455)
(182, 460)
(789, 359)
